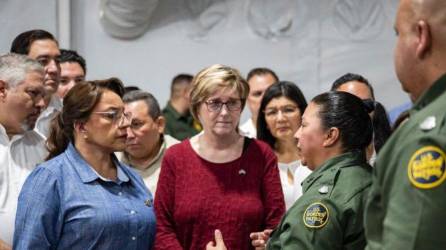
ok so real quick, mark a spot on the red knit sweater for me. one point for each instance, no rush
(194, 197)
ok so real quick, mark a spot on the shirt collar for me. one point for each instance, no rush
(125, 155)
(86, 172)
(175, 113)
(121, 176)
(160, 151)
(55, 103)
(437, 89)
(3, 135)
(334, 164)
(5, 138)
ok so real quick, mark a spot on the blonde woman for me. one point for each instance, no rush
(217, 179)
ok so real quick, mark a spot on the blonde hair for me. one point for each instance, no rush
(213, 78)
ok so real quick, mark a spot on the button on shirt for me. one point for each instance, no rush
(18, 157)
(65, 204)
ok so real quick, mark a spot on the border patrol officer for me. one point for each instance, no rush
(407, 203)
(329, 214)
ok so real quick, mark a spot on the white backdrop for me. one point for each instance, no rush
(307, 42)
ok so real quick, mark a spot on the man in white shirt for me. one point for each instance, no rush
(21, 101)
(259, 79)
(43, 47)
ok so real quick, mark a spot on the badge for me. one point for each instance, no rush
(428, 124)
(148, 202)
(323, 189)
(316, 215)
(427, 167)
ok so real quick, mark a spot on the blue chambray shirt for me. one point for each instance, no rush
(65, 204)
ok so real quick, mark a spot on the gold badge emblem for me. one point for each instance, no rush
(316, 215)
(427, 167)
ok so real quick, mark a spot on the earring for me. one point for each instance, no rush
(85, 135)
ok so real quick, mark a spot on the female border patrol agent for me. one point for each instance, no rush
(335, 132)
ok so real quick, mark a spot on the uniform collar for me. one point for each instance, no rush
(4, 138)
(86, 172)
(175, 113)
(55, 103)
(125, 155)
(333, 165)
(437, 89)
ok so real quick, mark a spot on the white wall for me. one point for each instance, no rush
(17, 16)
(327, 38)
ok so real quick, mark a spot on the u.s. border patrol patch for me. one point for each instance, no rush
(427, 167)
(316, 215)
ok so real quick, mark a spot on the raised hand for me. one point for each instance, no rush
(219, 243)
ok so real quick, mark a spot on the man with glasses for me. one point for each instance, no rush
(146, 141)
(21, 100)
(43, 47)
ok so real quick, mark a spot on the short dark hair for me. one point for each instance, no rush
(347, 113)
(130, 88)
(178, 80)
(262, 71)
(380, 120)
(72, 56)
(278, 89)
(22, 43)
(352, 77)
(151, 102)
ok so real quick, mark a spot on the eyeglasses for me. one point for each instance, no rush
(288, 111)
(231, 105)
(116, 115)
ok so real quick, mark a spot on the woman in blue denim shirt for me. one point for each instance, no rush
(82, 197)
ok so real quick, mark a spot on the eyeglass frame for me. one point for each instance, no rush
(220, 105)
(118, 118)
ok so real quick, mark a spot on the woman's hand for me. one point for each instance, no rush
(259, 239)
(219, 243)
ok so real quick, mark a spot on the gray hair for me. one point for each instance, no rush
(15, 67)
(149, 99)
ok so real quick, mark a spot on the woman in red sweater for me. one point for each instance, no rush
(218, 179)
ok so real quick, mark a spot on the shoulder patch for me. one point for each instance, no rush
(316, 215)
(427, 167)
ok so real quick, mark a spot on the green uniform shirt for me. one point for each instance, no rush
(407, 204)
(178, 126)
(329, 214)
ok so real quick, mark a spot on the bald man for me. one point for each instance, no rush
(407, 202)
